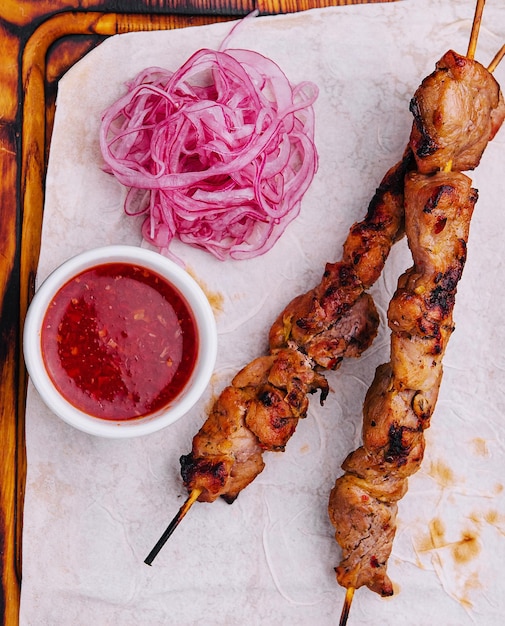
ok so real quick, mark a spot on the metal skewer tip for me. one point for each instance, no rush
(474, 35)
(349, 595)
(192, 498)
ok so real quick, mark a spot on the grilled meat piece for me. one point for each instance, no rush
(376, 533)
(280, 396)
(457, 109)
(226, 456)
(349, 336)
(315, 311)
(364, 254)
(259, 411)
(403, 395)
(369, 242)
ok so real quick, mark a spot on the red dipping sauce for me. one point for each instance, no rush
(119, 341)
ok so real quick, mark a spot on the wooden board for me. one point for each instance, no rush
(39, 41)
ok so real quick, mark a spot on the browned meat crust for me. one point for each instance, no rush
(457, 110)
(402, 397)
(364, 253)
(260, 410)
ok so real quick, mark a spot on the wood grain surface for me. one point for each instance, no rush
(39, 41)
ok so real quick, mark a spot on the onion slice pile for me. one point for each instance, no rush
(217, 154)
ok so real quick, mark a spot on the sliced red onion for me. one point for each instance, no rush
(217, 154)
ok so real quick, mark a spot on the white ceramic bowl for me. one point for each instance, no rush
(173, 274)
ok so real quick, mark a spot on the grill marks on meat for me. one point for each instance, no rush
(349, 336)
(260, 410)
(457, 110)
(226, 456)
(314, 320)
(402, 397)
(369, 242)
(280, 395)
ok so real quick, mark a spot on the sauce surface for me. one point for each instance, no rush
(119, 342)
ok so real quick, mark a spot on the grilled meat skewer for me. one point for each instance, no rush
(337, 318)
(401, 400)
(308, 320)
(457, 110)
(259, 411)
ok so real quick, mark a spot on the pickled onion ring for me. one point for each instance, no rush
(217, 154)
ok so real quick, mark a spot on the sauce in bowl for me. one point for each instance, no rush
(119, 341)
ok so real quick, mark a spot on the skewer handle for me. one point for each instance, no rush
(193, 497)
(349, 595)
(474, 35)
(497, 59)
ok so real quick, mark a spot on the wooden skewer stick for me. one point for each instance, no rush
(192, 498)
(498, 57)
(474, 35)
(349, 595)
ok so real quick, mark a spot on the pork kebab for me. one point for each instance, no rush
(260, 409)
(457, 110)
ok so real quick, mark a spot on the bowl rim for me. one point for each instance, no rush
(181, 280)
